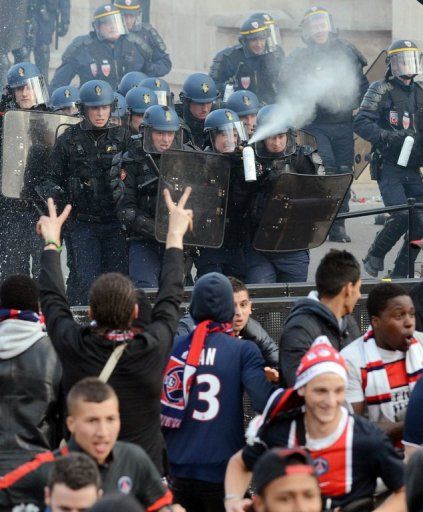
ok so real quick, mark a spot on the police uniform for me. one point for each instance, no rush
(332, 123)
(79, 168)
(150, 42)
(389, 112)
(236, 65)
(91, 57)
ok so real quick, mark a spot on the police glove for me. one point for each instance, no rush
(63, 28)
(395, 138)
(116, 182)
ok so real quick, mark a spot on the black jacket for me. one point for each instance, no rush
(127, 470)
(252, 331)
(29, 398)
(137, 378)
(307, 320)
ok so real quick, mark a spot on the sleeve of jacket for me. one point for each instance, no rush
(220, 70)
(64, 7)
(269, 350)
(294, 343)
(61, 327)
(366, 122)
(160, 63)
(185, 325)
(253, 377)
(360, 62)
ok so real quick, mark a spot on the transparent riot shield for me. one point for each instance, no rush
(208, 174)
(304, 138)
(28, 138)
(363, 148)
(300, 211)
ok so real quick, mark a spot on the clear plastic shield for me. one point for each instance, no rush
(208, 174)
(363, 148)
(300, 212)
(28, 138)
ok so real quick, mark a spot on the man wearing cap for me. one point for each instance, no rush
(349, 453)
(149, 41)
(286, 481)
(105, 53)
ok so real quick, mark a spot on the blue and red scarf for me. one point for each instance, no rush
(16, 314)
(180, 371)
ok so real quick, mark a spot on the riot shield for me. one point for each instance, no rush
(28, 138)
(300, 211)
(208, 174)
(363, 148)
(304, 138)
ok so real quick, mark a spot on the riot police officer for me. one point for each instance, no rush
(391, 110)
(25, 90)
(197, 96)
(246, 105)
(160, 131)
(106, 53)
(79, 174)
(277, 154)
(138, 100)
(253, 64)
(225, 134)
(65, 99)
(325, 55)
(129, 81)
(151, 44)
(162, 90)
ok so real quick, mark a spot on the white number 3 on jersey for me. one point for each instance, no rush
(208, 396)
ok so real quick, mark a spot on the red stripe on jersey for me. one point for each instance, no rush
(397, 374)
(11, 478)
(166, 499)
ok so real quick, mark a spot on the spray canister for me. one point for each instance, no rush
(229, 89)
(406, 151)
(248, 158)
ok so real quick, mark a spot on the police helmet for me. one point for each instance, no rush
(161, 88)
(131, 10)
(27, 74)
(120, 111)
(139, 99)
(160, 118)
(96, 93)
(243, 103)
(130, 80)
(316, 20)
(272, 121)
(404, 58)
(63, 97)
(108, 23)
(199, 88)
(225, 121)
(259, 26)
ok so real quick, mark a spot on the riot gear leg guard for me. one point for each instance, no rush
(42, 58)
(401, 262)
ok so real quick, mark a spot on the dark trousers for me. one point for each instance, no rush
(198, 496)
(225, 260)
(287, 267)
(145, 263)
(97, 248)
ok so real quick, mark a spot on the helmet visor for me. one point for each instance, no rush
(165, 98)
(276, 146)
(406, 62)
(133, 20)
(158, 141)
(274, 40)
(110, 27)
(319, 22)
(226, 138)
(261, 42)
(32, 93)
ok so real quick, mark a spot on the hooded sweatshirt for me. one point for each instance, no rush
(308, 319)
(212, 426)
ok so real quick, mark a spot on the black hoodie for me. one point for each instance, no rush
(307, 320)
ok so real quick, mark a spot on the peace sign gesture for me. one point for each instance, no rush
(49, 227)
(180, 219)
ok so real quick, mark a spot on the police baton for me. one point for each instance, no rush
(56, 35)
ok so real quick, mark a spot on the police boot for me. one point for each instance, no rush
(338, 233)
(42, 58)
(373, 264)
(401, 263)
(381, 219)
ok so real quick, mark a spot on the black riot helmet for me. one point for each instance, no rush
(317, 25)
(258, 35)
(108, 23)
(278, 137)
(404, 59)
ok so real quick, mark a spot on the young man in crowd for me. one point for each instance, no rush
(30, 376)
(94, 422)
(204, 384)
(386, 362)
(325, 312)
(84, 351)
(349, 452)
(286, 481)
(74, 484)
